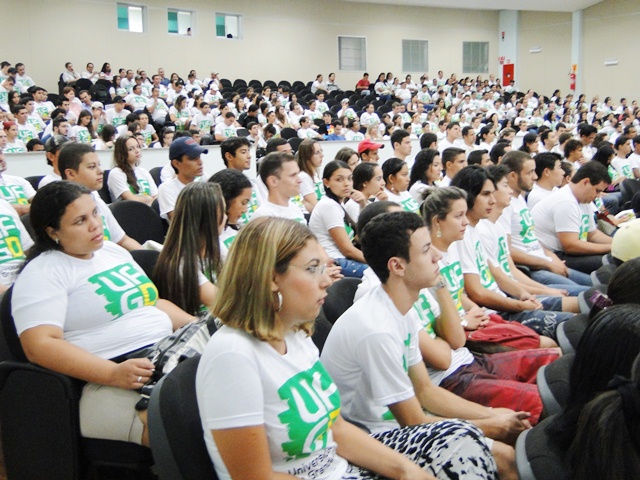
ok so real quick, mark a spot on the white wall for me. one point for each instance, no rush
(283, 39)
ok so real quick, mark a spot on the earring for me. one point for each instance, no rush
(279, 301)
(57, 240)
(439, 233)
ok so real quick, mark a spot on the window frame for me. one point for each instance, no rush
(192, 17)
(417, 70)
(475, 62)
(364, 59)
(239, 16)
(144, 18)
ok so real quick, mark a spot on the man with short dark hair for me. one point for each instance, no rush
(565, 222)
(587, 134)
(26, 131)
(573, 152)
(226, 128)
(279, 172)
(401, 144)
(184, 154)
(550, 175)
(453, 160)
(23, 81)
(621, 164)
(451, 138)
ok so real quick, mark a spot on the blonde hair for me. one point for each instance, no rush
(263, 248)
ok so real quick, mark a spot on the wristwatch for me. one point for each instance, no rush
(439, 285)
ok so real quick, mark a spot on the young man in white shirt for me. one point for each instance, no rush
(52, 148)
(226, 128)
(565, 219)
(236, 155)
(452, 134)
(468, 140)
(525, 248)
(550, 175)
(23, 81)
(453, 160)
(587, 134)
(634, 158)
(401, 144)
(26, 131)
(372, 351)
(79, 163)
(184, 154)
(368, 150)
(548, 141)
(279, 172)
(620, 162)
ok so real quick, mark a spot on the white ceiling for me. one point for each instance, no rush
(538, 5)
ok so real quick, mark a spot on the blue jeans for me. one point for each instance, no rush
(543, 322)
(351, 268)
(576, 282)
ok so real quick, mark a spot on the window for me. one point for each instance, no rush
(131, 17)
(179, 22)
(352, 53)
(415, 55)
(228, 26)
(475, 57)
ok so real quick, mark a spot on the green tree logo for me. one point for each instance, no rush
(125, 288)
(314, 404)
(10, 245)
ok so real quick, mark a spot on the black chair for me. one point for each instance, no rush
(569, 332)
(155, 174)
(270, 83)
(175, 428)
(82, 84)
(104, 191)
(104, 83)
(384, 109)
(27, 224)
(53, 98)
(242, 132)
(295, 143)
(138, 220)
(553, 384)
(340, 298)
(147, 260)
(99, 93)
(629, 188)
(239, 83)
(226, 83)
(288, 133)
(40, 422)
(321, 330)
(284, 83)
(34, 180)
(536, 457)
(585, 298)
(602, 275)
(297, 85)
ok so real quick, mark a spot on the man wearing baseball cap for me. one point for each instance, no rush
(118, 115)
(368, 150)
(184, 155)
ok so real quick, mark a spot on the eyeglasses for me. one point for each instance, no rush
(317, 270)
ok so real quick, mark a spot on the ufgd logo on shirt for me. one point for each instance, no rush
(125, 288)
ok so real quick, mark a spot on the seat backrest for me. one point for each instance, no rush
(155, 174)
(295, 143)
(288, 133)
(536, 456)
(175, 429)
(553, 384)
(34, 180)
(104, 191)
(147, 260)
(9, 332)
(321, 329)
(340, 298)
(138, 220)
(25, 219)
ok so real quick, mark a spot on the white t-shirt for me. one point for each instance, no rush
(244, 382)
(311, 185)
(623, 167)
(291, 212)
(494, 240)
(634, 160)
(538, 193)
(417, 192)
(15, 190)
(104, 305)
(520, 226)
(368, 353)
(328, 214)
(117, 183)
(117, 119)
(111, 228)
(426, 310)
(352, 136)
(405, 200)
(473, 260)
(561, 212)
(47, 179)
(14, 241)
(168, 195)
(227, 131)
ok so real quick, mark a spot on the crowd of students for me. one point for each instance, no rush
(447, 318)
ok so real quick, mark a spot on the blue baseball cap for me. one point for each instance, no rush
(185, 146)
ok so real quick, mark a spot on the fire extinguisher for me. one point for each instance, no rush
(572, 81)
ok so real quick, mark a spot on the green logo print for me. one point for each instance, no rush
(319, 188)
(502, 256)
(125, 288)
(526, 222)
(314, 404)
(425, 313)
(252, 206)
(486, 279)
(454, 279)
(13, 194)
(106, 233)
(406, 343)
(143, 186)
(10, 246)
(584, 228)
(410, 205)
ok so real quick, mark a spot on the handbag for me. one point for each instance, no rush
(500, 335)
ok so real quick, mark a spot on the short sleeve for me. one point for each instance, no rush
(229, 391)
(331, 215)
(566, 218)
(306, 184)
(381, 361)
(117, 183)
